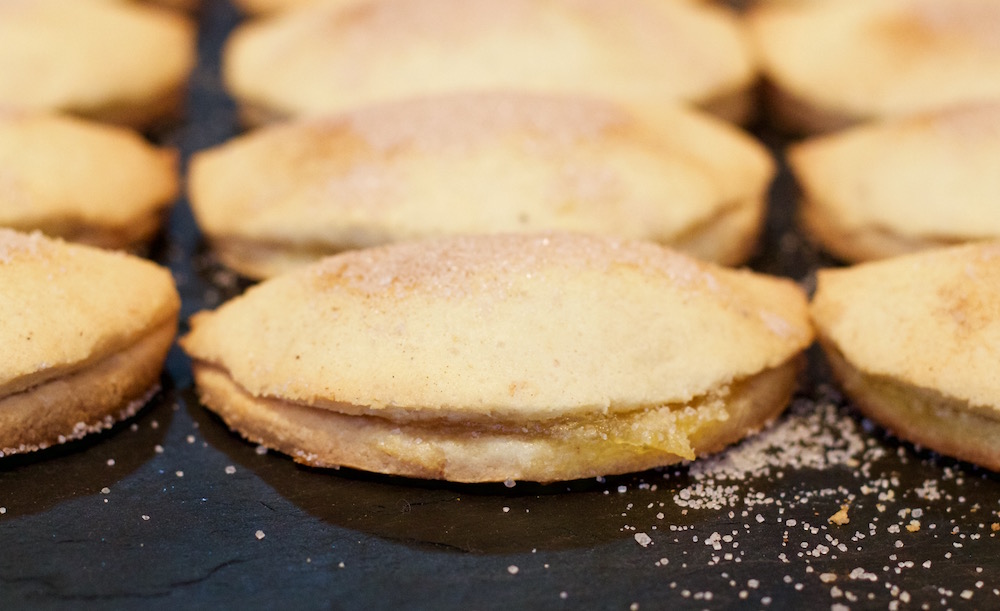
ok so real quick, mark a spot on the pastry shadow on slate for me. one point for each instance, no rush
(432, 514)
(84, 466)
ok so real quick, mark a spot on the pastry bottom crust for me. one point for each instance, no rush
(87, 400)
(152, 114)
(134, 236)
(801, 117)
(451, 449)
(728, 238)
(945, 424)
(862, 243)
(739, 106)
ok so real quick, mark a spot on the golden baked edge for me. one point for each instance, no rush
(453, 450)
(86, 400)
(729, 238)
(923, 416)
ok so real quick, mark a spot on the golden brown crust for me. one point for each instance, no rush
(271, 7)
(653, 52)
(85, 400)
(838, 63)
(117, 62)
(189, 6)
(67, 306)
(475, 163)
(566, 337)
(462, 452)
(889, 188)
(921, 415)
(81, 181)
(85, 334)
(914, 340)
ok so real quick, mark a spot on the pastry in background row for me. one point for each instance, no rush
(288, 194)
(189, 6)
(329, 58)
(503, 357)
(915, 342)
(117, 62)
(889, 188)
(83, 181)
(835, 63)
(270, 7)
(85, 333)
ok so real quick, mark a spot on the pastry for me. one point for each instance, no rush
(883, 189)
(83, 181)
(191, 6)
(833, 64)
(84, 333)
(269, 7)
(328, 58)
(119, 62)
(503, 357)
(914, 340)
(473, 163)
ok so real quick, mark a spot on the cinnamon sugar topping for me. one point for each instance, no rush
(456, 266)
(14, 244)
(462, 121)
(977, 21)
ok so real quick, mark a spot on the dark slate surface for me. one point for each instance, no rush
(171, 510)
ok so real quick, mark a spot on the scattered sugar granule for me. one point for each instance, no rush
(259, 534)
(179, 473)
(828, 577)
(145, 518)
(512, 569)
(111, 462)
(261, 450)
(105, 490)
(643, 539)
(840, 518)
(3, 510)
(230, 470)
(913, 526)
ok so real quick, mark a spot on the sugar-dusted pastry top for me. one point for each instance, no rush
(65, 306)
(74, 178)
(929, 179)
(92, 58)
(473, 163)
(534, 326)
(931, 319)
(328, 57)
(861, 59)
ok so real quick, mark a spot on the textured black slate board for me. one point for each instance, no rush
(171, 510)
